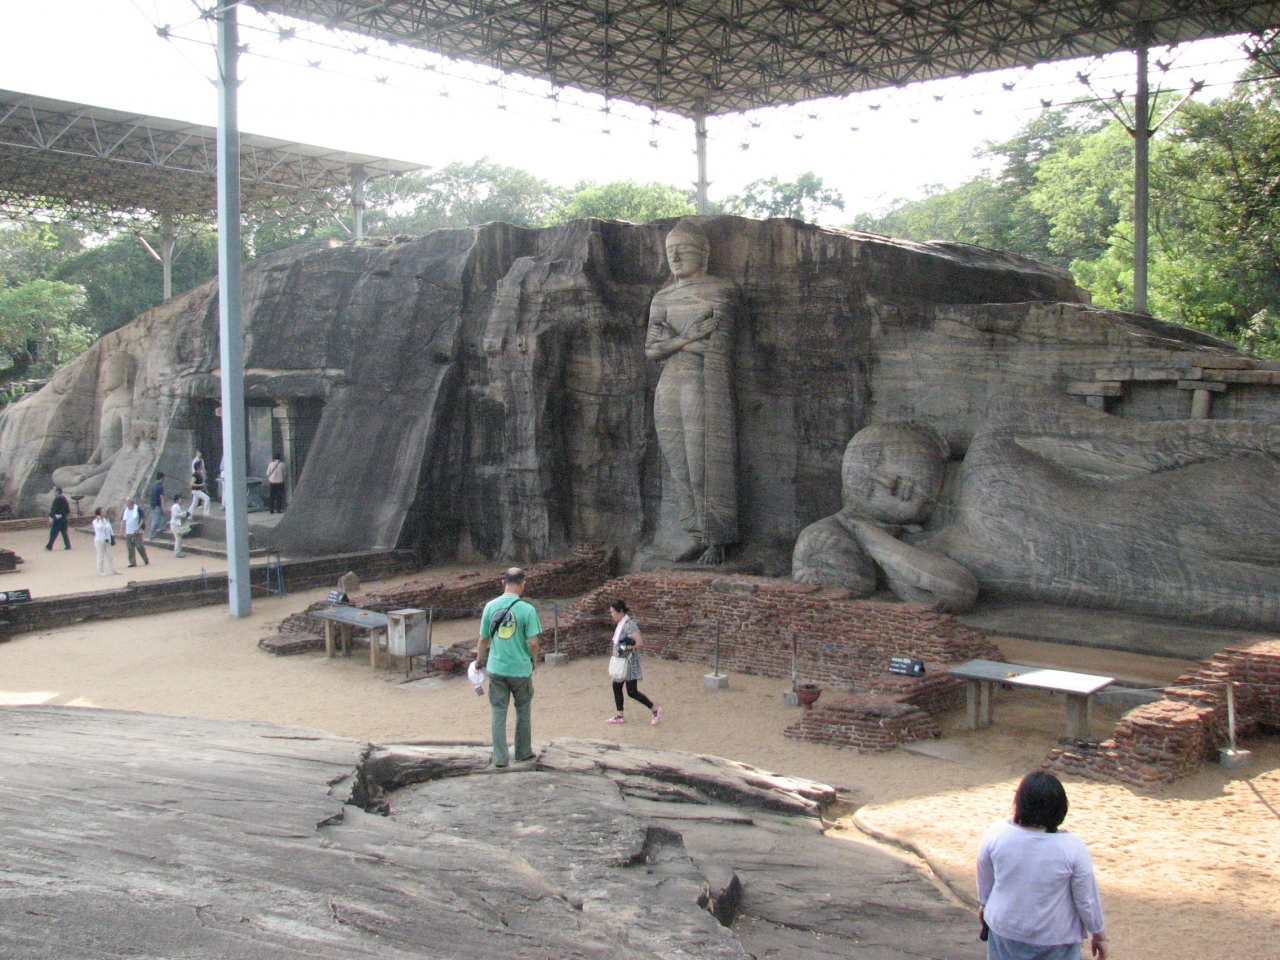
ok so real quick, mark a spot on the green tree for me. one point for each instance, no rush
(311, 223)
(39, 331)
(1217, 201)
(32, 250)
(466, 194)
(995, 208)
(804, 198)
(121, 279)
(625, 200)
(1084, 188)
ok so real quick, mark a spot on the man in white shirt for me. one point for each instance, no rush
(275, 481)
(131, 528)
(178, 526)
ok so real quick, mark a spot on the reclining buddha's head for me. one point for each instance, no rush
(893, 472)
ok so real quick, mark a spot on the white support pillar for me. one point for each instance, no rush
(357, 201)
(1141, 188)
(230, 326)
(700, 138)
(168, 238)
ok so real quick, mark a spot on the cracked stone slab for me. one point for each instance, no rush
(129, 835)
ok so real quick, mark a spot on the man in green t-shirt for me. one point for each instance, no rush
(508, 649)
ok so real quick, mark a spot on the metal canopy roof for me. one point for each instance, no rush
(69, 159)
(728, 55)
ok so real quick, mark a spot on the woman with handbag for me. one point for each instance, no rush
(624, 665)
(103, 538)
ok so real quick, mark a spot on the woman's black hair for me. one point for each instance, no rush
(619, 606)
(1040, 801)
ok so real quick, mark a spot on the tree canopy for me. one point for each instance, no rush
(804, 198)
(1061, 191)
(625, 200)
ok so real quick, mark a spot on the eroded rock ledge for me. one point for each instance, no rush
(137, 835)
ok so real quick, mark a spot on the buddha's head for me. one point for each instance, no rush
(118, 371)
(893, 472)
(688, 249)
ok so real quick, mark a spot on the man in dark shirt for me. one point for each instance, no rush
(59, 510)
(156, 506)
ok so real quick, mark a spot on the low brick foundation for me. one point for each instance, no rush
(1173, 737)
(181, 593)
(842, 644)
(873, 723)
(454, 598)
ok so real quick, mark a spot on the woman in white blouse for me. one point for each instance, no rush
(1035, 882)
(103, 538)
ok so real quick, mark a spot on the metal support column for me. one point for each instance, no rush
(700, 137)
(357, 201)
(168, 238)
(1141, 169)
(230, 327)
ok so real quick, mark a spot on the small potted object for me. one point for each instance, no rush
(807, 694)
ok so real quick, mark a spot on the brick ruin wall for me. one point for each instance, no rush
(1173, 737)
(139, 598)
(453, 598)
(844, 645)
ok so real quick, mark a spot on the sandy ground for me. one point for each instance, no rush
(1189, 871)
(50, 572)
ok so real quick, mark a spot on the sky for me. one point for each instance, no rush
(874, 148)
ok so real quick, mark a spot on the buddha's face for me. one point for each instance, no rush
(117, 372)
(686, 259)
(892, 475)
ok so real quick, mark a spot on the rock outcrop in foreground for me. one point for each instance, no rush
(138, 835)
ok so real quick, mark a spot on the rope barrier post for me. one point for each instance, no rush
(715, 680)
(790, 697)
(555, 658)
(1230, 757)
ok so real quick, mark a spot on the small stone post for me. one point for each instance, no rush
(1230, 757)
(555, 658)
(790, 698)
(715, 680)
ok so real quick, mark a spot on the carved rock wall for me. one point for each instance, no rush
(485, 390)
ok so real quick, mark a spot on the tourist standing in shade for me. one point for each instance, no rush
(508, 649)
(103, 538)
(197, 466)
(1035, 883)
(627, 643)
(275, 485)
(131, 530)
(178, 525)
(155, 504)
(59, 510)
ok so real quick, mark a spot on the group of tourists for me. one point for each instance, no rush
(179, 513)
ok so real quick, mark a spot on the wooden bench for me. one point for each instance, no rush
(341, 621)
(984, 674)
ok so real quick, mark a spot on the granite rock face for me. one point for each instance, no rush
(142, 835)
(486, 391)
